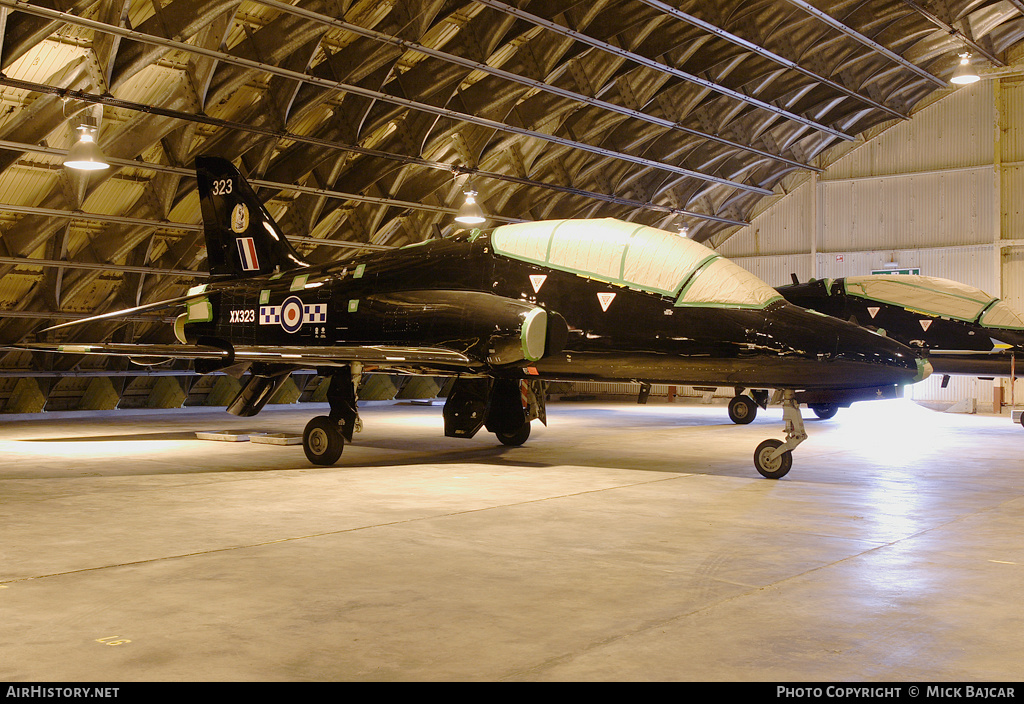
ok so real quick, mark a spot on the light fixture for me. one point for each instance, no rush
(965, 73)
(470, 213)
(684, 230)
(86, 154)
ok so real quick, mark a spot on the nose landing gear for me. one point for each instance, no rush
(773, 458)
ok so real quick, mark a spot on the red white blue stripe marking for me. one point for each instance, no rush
(247, 254)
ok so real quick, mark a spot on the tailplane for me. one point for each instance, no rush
(241, 238)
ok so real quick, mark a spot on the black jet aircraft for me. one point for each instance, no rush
(964, 330)
(502, 312)
(955, 322)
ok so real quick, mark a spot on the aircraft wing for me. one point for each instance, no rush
(383, 355)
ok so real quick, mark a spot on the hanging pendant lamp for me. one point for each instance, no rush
(86, 154)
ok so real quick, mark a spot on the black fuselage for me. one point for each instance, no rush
(615, 333)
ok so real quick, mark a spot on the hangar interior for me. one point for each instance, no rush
(811, 139)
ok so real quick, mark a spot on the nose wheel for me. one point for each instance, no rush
(771, 464)
(774, 458)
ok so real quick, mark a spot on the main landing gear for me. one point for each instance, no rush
(515, 438)
(322, 441)
(743, 408)
(774, 458)
(504, 407)
(324, 437)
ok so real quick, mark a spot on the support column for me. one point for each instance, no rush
(814, 224)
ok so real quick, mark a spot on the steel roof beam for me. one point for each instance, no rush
(254, 129)
(866, 41)
(953, 31)
(261, 183)
(523, 80)
(768, 54)
(122, 268)
(227, 58)
(159, 224)
(663, 68)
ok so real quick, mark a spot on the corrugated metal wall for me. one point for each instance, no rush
(784, 228)
(918, 210)
(952, 132)
(940, 192)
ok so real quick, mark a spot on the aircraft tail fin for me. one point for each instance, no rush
(242, 239)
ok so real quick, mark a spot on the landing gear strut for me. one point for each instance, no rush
(324, 437)
(773, 458)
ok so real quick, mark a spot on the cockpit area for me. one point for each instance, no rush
(638, 257)
(937, 297)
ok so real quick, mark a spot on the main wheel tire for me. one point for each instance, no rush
(742, 410)
(322, 441)
(824, 410)
(772, 469)
(517, 438)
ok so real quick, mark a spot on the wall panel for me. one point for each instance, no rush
(1011, 105)
(953, 132)
(922, 210)
(784, 228)
(970, 265)
(777, 270)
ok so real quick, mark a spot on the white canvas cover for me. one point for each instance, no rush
(637, 256)
(526, 240)
(1001, 315)
(583, 246)
(722, 281)
(661, 261)
(928, 294)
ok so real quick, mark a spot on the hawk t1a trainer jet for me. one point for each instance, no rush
(955, 322)
(964, 330)
(502, 312)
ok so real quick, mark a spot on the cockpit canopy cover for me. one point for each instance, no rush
(638, 257)
(937, 297)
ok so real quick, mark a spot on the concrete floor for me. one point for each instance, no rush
(622, 542)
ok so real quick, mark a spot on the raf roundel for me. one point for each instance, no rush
(291, 314)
